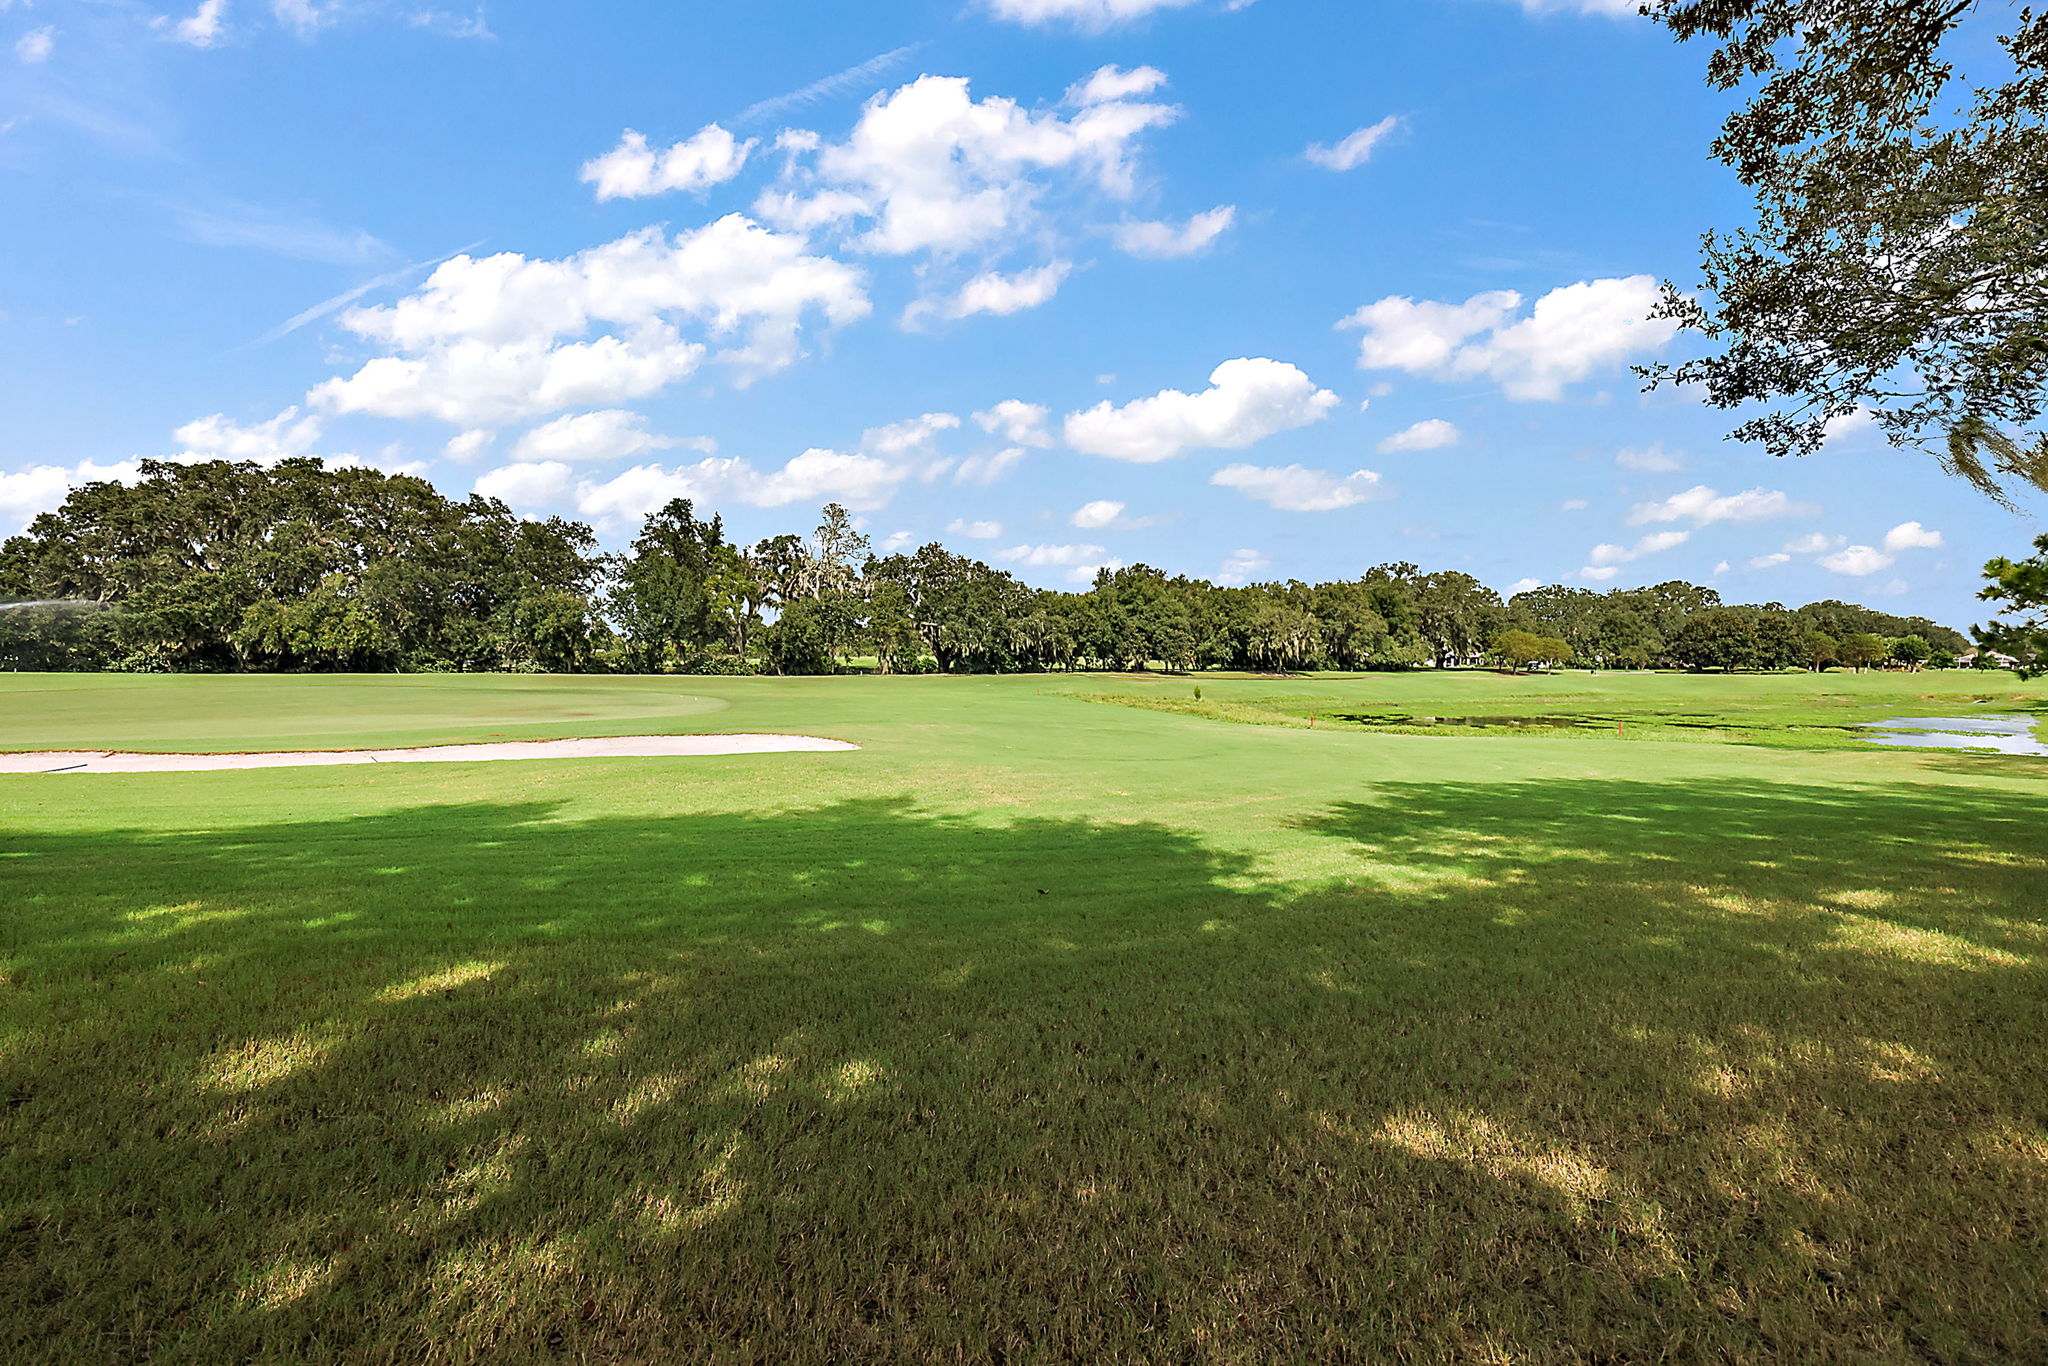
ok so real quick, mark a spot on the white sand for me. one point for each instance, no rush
(612, 747)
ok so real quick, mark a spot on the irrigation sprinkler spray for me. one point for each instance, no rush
(62, 609)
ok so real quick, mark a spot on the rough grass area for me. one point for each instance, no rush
(1035, 1032)
(1266, 712)
(1784, 710)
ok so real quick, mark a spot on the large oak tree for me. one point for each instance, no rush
(1898, 263)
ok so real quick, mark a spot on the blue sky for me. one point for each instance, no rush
(1255, 290)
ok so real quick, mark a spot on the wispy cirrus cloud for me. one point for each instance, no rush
(348, 296)
(839, 83)
(229, 223)
(1349, 153)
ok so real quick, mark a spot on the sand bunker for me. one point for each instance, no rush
(612, 747)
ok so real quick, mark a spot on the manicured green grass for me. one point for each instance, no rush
(1038, 1030)
(202, 714)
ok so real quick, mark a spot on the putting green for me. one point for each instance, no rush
(217, 714)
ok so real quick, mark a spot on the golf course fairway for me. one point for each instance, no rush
(1070, 1019)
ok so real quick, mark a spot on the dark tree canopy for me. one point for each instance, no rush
(1839, 619)
(1898, 264)
(300, 567)
(1731, 638)
(665, 596)
(1520, 649)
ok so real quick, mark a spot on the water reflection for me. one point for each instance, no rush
(2000, 733)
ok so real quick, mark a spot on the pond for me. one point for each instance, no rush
(2003, 733)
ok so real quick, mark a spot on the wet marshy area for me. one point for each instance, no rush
(2004, 733)
(1549, 723)
(2011, 733)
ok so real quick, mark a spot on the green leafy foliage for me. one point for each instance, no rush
(299, 568)
(1731, 638)
(1911, 651)
(1520, 649)
(1898, 262)
(1864, 649)
(2021, 587)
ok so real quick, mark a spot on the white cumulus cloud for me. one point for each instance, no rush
(1702, 506)
(303, 17)
(1571, 334)
(219, 437)
(490, 340)
(532, 487)
(1295, 488)
(1242, 567)
(929, 168)
(1106, 514)
(1112, 83)
(861, 482)
(986, 469)
(1018, 422)
(1651, 544)
(1096, 515)
(1613, 8)
(1089, 15)
(1847, 426)
(818, 476)
(204, 27)
(581, 438)
(975, 531)
(1856, 561)
(911, 434)
(1080, 561)
(1248, 400)
(634, 170)
(290, 434)
(1814, 543)
(1912, 536)
(1052, 556)
(26, 493)
(1425, 337)
(469, 445)
(997, 293)
(473, 382)
(1163, 241)
(1428, 435)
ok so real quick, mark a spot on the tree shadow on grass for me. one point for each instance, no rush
(1981, 764)
(1568, 1071)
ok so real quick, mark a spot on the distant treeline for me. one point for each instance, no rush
(298, 567)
